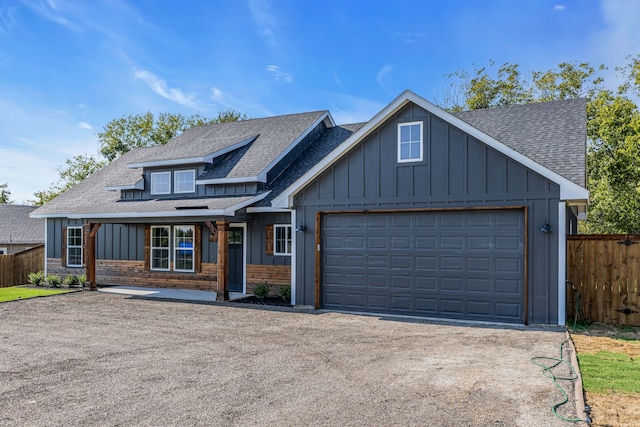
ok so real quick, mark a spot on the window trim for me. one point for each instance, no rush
(158, 174)
(177, 248)
(81, 246)
(399, 142)
(151, 249)
(193, 181)
(3, 251)
(288, 239)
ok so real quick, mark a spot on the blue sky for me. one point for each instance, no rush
(67, 67)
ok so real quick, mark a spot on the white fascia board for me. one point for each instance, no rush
(267, 209)
(191, 160)
(562, 263)
(139, 185)
(227, 180)
(326, 117)
(228, 211)
(568, 189)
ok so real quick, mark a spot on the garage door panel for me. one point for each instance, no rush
(465, 265)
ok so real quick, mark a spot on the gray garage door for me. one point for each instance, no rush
(453, 264)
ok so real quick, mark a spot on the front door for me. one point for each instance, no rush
(236, 251)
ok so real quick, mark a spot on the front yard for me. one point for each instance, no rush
(609, 359)
(15, 293)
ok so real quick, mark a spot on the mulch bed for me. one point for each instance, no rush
(277, 301)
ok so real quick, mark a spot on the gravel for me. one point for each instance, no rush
(104, 359)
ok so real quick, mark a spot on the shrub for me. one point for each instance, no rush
(53, 280)
(285, 293)
(261, 290)
(82, 280)
(36, 278)
(71, 281)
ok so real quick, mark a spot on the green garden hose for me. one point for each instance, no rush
(547, 371)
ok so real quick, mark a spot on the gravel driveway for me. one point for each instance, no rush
(105, 359)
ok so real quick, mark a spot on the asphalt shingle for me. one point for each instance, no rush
(16, 226)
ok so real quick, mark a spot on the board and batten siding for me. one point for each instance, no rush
(257, 239)
(457, 171)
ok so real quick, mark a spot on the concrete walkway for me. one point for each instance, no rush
(168, 293)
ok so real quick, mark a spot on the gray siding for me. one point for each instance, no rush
(256, 229)
(54, 234)
(457, 171)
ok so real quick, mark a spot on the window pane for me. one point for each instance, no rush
(405, 152)
(185, 181)
(75, 256)
(415, 150)
(161, 183)
(160, 259)
(404, 133)
(415, 132)
(282, 239)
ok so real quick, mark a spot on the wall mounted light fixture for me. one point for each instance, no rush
(301, 227)
(546, 228)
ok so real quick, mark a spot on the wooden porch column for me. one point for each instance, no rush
(223, 261)
(90, 230)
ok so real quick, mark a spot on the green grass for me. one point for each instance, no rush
(15, 293)
(606, 372)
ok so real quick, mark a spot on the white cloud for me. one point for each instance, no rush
(266, 21)
(277, 74)
(352, 109)
(7, 19)
(226, 100)
(160, 87)
(84, 125)
(383, 76)
(53, 11)
(559, 7)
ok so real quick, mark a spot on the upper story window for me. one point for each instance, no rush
(410, 145)
(160, 182)
(184, 181)
(282, 240)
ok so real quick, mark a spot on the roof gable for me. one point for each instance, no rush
(569, 190)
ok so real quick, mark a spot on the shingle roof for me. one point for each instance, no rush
(330, 139)
(274, 135)
(16, 226)
(550, 133)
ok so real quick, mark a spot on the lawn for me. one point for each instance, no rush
(609, 359)
(14, 293)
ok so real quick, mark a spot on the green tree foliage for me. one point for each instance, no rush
(121, 135)
(613, 127)
(146, 130)
(5, 194)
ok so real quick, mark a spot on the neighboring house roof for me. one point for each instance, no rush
(551, 133)
(17, 227)
(569, 189)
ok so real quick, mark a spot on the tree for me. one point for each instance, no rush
(613, 127)
(71, 173)
(5, 194)
(146, 130)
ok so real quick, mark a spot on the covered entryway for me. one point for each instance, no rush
(463, 264)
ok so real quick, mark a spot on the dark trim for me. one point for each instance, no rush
(318, 240)
(475, 208)
(526, 265)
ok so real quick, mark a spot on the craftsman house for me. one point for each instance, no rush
(417, 211)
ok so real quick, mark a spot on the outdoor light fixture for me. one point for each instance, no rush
(301, 227)
(546, 228)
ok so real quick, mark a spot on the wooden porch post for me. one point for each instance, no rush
(90, 231)
(223, 261)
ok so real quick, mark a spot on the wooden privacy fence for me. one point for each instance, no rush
(605, 269)
(15, 269)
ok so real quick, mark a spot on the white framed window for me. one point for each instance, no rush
(184, 181)
(74, 246)
(160, 182)
(160, 247)
(282, 239)
(410, 146)
(183, 238)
